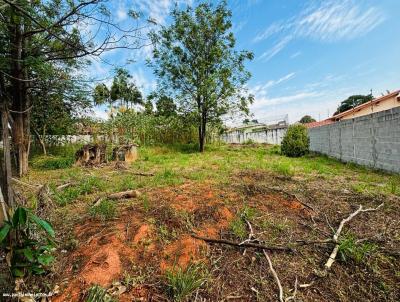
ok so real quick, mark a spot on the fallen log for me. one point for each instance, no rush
(142, 174)
(124, 194)
(245, 244)
(118, 195)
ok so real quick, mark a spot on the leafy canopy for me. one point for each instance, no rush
(307, 119)
(353, 101)
(197, 64)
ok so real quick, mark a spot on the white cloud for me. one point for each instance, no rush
(295, 55)
(333, 21)
(303, 95)
(277, 48)
(158, 10)
(140, 79)
(262, 90)
(122, 12)
(237, 27)
(273, 29)
(327, 21)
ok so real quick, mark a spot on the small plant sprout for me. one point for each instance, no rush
(181, 283)
(31, 244)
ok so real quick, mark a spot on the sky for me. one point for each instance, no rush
(308, 55)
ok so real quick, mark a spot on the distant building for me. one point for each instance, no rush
(256, 132)
(320, 123)
(386, 102)
(382, 103)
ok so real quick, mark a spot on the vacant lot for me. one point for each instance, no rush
(142, 249)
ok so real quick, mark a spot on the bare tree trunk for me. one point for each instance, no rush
(6, 169)
(20, 108)
(203, 131)
(41, 139)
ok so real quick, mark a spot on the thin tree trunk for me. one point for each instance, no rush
(41, 140)
(20, 102)
(203, 131)
(6, 177)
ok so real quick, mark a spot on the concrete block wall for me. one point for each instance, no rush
(372, 140)
(269, 136)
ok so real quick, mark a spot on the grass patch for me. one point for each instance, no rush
(238, 226)
(181, 283)
(105, 210)
(86, 186)
(349, 249)
(98, 294)
(52, 162)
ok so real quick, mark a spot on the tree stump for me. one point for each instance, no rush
(91, 155)
(127, 153)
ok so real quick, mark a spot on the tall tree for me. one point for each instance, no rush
(353, 101)
(57, 105)
(165, 106)
(38, 34)
(148, 107)
(197, 64)
(124, 90)
(307, 119)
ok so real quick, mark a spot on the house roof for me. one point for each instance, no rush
(367, 104)
(320, 123)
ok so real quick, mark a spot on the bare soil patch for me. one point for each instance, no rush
(145, 242)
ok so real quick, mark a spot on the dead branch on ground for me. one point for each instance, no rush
(117, 196)
(278, 282)
(294, 196)
(20, 182)
(142, 174)
(245, 244)
(63, 186)
(332, 256)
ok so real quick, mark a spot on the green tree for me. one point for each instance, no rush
(37, 35)
(353, 101)
(196, 63)
(307, 119)
(101, 95)
(124, 90)
(148, 107)
(57, 105)
(165, 106)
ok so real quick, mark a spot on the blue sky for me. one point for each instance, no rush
(309, 55)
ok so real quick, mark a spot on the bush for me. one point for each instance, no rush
(29, 240)
(52, 162)
(295, 143)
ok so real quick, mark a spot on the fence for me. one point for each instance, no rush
(265, 134)
(372, 140)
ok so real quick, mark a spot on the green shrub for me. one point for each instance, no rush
(296, 142)
(52, 162)
(182, 283)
